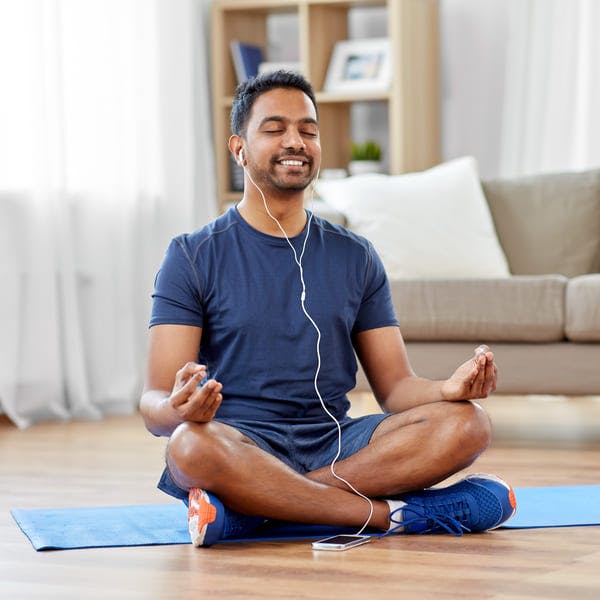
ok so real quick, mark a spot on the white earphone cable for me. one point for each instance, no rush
(298, 261)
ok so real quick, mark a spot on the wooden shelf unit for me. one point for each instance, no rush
(413, 100)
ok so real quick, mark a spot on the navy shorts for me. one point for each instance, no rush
(303, 445)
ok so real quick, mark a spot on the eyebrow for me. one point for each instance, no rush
(278, 119)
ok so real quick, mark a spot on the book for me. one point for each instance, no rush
(246, 59)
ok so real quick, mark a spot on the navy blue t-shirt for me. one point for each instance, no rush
(242, 287)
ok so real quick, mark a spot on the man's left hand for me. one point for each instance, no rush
(475, 378)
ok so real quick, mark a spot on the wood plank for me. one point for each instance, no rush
(116, 461)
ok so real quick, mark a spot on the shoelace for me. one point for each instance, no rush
(442, 519)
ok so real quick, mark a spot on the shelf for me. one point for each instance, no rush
(334, 97)
(412, 106)
(280, 5)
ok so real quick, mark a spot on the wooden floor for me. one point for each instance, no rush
(116, 462)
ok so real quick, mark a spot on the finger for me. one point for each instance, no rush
(495, 379)
(491, 377)
(489, 365)
(204, 402)
(482, 349)
(205, 412)
(212, 386)
(189, 369)
(214, 406)
(490, 369)
(182, 395)
(204, 394)
(479, 382)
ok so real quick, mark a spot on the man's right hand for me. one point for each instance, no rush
(190, 402)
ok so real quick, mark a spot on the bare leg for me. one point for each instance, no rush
(218, 458)
(408, 451)
(415, 449)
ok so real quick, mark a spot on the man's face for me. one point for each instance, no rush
(283, 148)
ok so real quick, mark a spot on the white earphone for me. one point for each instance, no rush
(298, 261)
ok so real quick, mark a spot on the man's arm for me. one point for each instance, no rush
(383, 356)
(171, 395)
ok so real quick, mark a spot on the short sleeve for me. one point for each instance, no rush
(177, 296)
(376, 309)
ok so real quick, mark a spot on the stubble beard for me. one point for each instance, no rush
(275, 182)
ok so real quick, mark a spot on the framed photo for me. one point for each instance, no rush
(359, 66)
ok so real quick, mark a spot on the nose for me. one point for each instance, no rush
(293, 140)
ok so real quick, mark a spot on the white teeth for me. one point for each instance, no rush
(291, 163)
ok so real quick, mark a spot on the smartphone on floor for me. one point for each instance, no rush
(341, 542)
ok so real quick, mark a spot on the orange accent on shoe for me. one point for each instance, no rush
(512, 498)
(208, 513)
(197, 506)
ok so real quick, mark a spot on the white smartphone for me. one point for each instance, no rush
(341, 542)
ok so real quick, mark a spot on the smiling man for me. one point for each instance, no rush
(255, 324)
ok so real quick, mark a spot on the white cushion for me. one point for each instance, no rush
(432, 224)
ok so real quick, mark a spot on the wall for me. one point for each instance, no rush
(474, 35)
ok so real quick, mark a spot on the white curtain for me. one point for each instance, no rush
(551, 119)
(105, 154)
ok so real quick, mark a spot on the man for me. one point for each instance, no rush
(271, 302)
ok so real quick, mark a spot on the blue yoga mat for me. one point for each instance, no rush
(140, 525)
(152, 524)
(561, 506)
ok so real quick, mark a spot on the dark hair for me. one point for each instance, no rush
(248, 91)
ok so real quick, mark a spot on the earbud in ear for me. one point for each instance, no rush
(240, 157)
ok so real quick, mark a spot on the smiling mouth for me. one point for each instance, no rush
(295, 162)
(291, 163)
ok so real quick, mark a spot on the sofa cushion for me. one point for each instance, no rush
(548, 223)
(521, 308)
(325, 211)
(583, 309)
(435, 223)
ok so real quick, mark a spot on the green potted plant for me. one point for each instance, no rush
(365, 158)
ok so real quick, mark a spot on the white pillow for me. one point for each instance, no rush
(432, 224)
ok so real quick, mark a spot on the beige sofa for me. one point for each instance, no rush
(543, 322)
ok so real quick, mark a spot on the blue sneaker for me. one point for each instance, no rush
(210, 521)
(477, 503)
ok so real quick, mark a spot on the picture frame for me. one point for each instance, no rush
(362, 65)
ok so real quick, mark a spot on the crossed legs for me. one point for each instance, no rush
(408, 451)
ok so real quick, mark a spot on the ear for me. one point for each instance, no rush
(236, 147)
